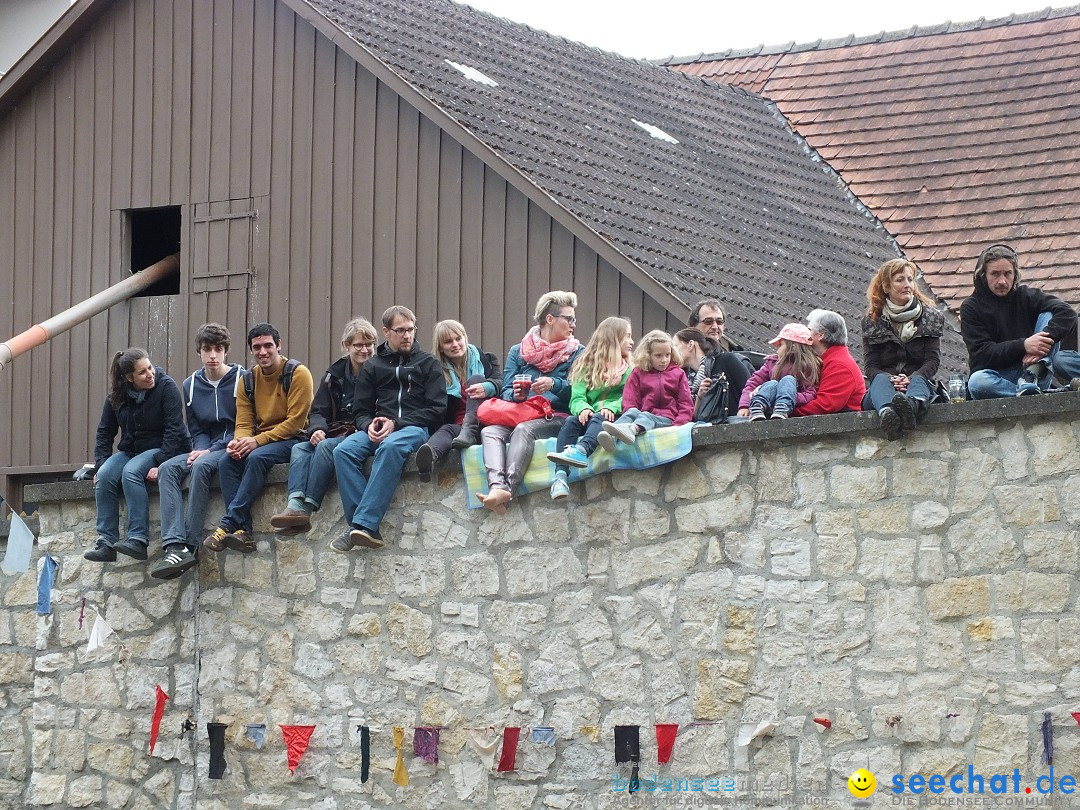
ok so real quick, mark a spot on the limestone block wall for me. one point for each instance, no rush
(921, 595)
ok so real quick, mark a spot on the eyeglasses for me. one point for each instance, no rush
(712, 321)
(570, 319)
(365, 346)
(402, 331)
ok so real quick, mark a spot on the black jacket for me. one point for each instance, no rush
(336, 399)
(885, 353)
(994, 328)
(409, 389)
(157, 421)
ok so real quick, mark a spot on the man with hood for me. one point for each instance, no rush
(402, 399)
(209, 397)
(1013, 331)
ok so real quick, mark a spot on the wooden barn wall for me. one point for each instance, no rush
(309, 192)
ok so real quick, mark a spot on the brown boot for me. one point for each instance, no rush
(296, 519)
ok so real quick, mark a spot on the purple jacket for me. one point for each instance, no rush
(661, 393)
(764, 374)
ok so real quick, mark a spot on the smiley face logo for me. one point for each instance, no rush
(862, 784)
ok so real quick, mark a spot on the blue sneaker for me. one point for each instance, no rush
(559, 488)
(572, 455)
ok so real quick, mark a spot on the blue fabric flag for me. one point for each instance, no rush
(19, 545)
(45, 583)
(256, 732)
(543, 735)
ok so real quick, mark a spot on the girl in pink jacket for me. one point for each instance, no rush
(656, 393)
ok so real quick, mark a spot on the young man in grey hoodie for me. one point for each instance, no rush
(209, 397)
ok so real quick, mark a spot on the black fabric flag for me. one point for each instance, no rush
(628, 749)
(216, 732)
(365, 753)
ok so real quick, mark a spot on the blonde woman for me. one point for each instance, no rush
(471, 377)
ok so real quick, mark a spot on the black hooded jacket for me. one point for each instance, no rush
(336, 399)
(994, 327)
(157, 421)
(408, 388)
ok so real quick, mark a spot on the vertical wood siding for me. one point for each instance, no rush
(223, 106)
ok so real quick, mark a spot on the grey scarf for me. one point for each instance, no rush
(903, 319)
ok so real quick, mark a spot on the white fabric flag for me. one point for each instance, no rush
(19, 545)
(484, 743)
(98, 634)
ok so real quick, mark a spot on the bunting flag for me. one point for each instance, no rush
(216, 733)
(159, 711)
(45, 584)
(508, 757)
(1048, 740)
(592, 732)
(401, 776)
(484, 743)
(826, 723)
(542, 735)
(665, 741)
(296, 743)
(256, 732)
(365, 753)
(98, 635)
(82, 613)
(628, 749)
(426, 744)
(1076, 717)
(20, 543)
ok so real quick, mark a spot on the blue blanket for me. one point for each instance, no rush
(654, 447)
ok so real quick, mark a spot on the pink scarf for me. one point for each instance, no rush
(545, 356)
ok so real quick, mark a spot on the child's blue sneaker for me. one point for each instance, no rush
(572, 455)
(559, 488)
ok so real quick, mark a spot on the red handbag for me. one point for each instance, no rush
(496, 411)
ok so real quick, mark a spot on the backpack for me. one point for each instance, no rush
(285, 380)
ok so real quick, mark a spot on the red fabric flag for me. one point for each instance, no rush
(296, 742)
(509, 748)
(1076, 717)
(159, 711)
(665, 741)
(823, 721)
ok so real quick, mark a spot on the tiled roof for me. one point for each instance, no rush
(739, 208)
(955, 136)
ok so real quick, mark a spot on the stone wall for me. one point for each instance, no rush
(920, 595)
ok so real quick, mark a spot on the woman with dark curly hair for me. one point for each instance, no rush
(144, 405)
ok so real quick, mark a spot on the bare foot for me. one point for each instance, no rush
(495, 500)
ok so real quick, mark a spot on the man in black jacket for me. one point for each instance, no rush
(1013, 332)
(402, 399)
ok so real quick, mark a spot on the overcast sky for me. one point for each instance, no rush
(654, 30)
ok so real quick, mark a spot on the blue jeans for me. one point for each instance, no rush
(584, 436)
(311, 469)
(176, 526)
(989, 383)
(243, 480)
(364, 500)
(122, 471)
(643, 419)
(776, 395)
(881, 393)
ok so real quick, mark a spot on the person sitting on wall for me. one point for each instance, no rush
(841, 387)
(332, 418)
(209, 397)
(402, 399)
(901, 338)
(1013, 332)
(471, 377)
(703, 360)
(144, 406)
(271, 411)
(537, 366)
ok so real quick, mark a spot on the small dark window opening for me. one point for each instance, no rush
(155, 234)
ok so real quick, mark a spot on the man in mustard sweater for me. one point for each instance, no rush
(271, 413)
